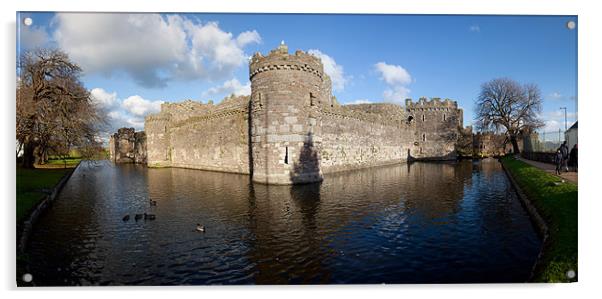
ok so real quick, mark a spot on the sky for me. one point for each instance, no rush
(133, 62)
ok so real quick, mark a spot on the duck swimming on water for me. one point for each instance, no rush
(138, 217)
(149, 216)
(200, 228)
(126, 218)
(152, 202)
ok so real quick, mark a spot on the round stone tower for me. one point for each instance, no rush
(288, 92)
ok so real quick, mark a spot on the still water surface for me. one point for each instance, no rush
(409, 223)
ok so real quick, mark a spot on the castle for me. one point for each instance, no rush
(291, 129)
(128, 146)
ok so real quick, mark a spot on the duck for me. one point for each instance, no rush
(126, 218)
(138, 217)
(152, 202)
(149, 216)
(200, 228)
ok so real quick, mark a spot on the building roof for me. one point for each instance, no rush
(574, 126)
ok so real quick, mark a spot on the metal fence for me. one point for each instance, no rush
(547, 141)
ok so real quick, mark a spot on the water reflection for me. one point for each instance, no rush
(420, 222)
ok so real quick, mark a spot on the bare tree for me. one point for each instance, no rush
(505, 104)
(54, 109)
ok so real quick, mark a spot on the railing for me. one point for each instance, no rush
(546, 141)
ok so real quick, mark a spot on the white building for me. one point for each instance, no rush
(571, 136)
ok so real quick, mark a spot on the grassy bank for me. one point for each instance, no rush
(32, 185)
(557, 204)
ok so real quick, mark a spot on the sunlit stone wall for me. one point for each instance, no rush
(128, 146)
(288, 93)
(365, 135)
(292, 130)
(200, 136)
(436, 125)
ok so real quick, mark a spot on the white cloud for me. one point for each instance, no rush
(393, 74)
(332, 69)
(396, 78)
(474, 28)
(103, 99)
(556, 96)
(396, 95)
(32, 37)
(138, 106)
(360, 101)
(129, 112)
(248, 37)
(229, 87)
(151, 48)
(119, 119)
(552, 126)
(554, 120)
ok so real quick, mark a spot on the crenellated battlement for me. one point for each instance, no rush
(291, 129)
(158, 117)
(432, 104)
(280, 59)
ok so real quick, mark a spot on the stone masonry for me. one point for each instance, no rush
(436, 125)
(291, 128)
(128, 146)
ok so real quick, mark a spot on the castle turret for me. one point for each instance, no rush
(288, 91)
(157, 139)
(437, 124)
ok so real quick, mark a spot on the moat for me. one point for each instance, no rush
(408, 223)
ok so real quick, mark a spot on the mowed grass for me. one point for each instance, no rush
(68, 162)
(557, 204)
(30, 186)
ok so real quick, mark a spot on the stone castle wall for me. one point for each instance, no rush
(200, 136)
(436, 125)
(157, 128)
(128, 146)
(359, 136)
(292, 130)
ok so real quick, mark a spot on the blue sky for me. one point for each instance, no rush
(133, 62)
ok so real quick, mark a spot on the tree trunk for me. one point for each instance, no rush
(43, 157)
(19, 148)
(515, 148)
(28, 155)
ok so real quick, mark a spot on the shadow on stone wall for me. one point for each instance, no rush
(410, 158)
(307, 168)
(451, 156)
(250, 137)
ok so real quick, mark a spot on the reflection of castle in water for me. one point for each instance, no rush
(436, 189)
(397, 223)
(308, 215)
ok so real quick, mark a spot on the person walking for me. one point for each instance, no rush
(573, 158)
(558, 161)
(564, 150)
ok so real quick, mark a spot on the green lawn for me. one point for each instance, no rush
(557, 204)
(30, 183)
(69, 162)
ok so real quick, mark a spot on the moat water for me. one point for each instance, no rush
(409, 223)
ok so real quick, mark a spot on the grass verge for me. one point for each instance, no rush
(33, 185)
(557, 204)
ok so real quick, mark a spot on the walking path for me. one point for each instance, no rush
(550, 168)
